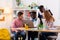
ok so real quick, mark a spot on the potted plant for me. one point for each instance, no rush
(18, 2)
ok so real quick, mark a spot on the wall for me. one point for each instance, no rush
(7, 5)
(53, 5)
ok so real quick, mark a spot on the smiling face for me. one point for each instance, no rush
(41, 8)
(20, 15)
(33, 15)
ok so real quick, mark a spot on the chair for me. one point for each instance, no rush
(53, 37)
(13, 38)
(4, 34)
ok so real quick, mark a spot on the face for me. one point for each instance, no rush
(33, 16)
(42, 10)
(20, 17)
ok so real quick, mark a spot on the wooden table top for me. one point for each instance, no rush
(39, 30)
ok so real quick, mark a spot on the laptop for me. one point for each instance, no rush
(29, 23)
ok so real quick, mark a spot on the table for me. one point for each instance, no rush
(29, 29)
(45, 30)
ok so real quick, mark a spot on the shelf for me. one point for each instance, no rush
(24, 9)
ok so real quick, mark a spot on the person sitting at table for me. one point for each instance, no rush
(18, 23)
(36, 22)
(49, 24)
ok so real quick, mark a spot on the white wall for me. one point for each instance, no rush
(7, 5)
(53, 5)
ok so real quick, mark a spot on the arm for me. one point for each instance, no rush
(13, 26)
(50, 12)
(49, 24)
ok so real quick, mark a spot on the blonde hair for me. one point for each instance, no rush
(48, 16)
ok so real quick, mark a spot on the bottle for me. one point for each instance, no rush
(44, 24)
(41, 25)
(26, 26)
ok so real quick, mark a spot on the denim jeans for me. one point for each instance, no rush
(32, 35)
(44, 35)
(18, 34)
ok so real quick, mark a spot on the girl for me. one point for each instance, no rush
(49, 24)
(49, 19)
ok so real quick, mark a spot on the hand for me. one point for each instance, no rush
(13, 29)
(21, 28)
(16, 31)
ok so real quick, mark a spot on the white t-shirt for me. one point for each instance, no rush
(36, 22)
(40, 13)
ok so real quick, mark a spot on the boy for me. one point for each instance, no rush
(18, 23)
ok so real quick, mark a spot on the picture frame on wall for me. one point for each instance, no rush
(2, 17)
(1, 11)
